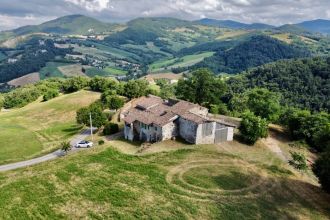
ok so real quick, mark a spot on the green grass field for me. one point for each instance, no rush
(40, 127)
(185, 61)
(115, 71)
(231, 181)
(51, 70)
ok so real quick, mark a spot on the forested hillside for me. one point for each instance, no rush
(31, 57)
(252, 53)
(303, 83)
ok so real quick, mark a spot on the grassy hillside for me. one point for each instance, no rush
(231, 181)
(40, 127)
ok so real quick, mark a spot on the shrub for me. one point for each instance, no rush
(65, 146)
(253, 127)
(50, 94)
(101, 142)
(21, 97)
(298, 161)
(219, 109)
(321, 168)
(110, 128)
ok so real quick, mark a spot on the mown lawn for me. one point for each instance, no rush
(206, 182)
(40, 126)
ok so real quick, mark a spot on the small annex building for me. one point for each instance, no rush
(152, 119)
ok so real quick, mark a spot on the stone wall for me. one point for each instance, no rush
(170, 130)
(187, 130)
(205, 133)
(128, 132)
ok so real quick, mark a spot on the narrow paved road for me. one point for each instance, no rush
(83, 135)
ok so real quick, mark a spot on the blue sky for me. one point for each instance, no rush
(15, 13)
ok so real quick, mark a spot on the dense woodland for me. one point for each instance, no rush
(254, 52)
(302, 83)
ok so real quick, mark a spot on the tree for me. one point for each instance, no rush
(65, 146)
(202, 87)
(135, 88)
(98, 117)
(264, 103)
(110, 128)
(167, 91)
(321, 139)
(50, 94)
(115, 102)
(253, 127)
(75, 84)
(321, 168)
(100, 84)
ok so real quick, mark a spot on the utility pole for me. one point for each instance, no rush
(90, 122)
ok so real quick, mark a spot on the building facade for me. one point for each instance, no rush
(152, 119)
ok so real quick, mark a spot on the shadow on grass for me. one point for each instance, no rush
(72, 130)
(286, 199)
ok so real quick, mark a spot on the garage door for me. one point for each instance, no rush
(221, 135)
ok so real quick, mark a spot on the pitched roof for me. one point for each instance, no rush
(154, 110)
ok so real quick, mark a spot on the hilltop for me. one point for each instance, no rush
(234, 24)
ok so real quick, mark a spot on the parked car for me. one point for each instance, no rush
(84, 144)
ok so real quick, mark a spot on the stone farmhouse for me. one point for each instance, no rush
(152, 119)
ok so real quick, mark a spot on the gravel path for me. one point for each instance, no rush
(272, 145)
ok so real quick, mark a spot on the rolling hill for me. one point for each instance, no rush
(72, 24)
(41, 126)
(292, 29)
(319, 25)
(234, 24)
(254, 52)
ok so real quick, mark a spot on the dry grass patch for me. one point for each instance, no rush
(24, 80)
(72, 70)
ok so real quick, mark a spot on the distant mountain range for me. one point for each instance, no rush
(234, 24)
(80, 24)
(320, 26)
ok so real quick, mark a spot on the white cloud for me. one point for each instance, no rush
(10, 22)
(276, 12)
(92, 5)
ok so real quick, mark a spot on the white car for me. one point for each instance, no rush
(84, 144)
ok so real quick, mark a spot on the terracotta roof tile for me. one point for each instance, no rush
(154, 110)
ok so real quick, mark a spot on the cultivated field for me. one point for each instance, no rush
(227, 181)
(72, 70)
(24, 80)
(185, 61)
(40, 127)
